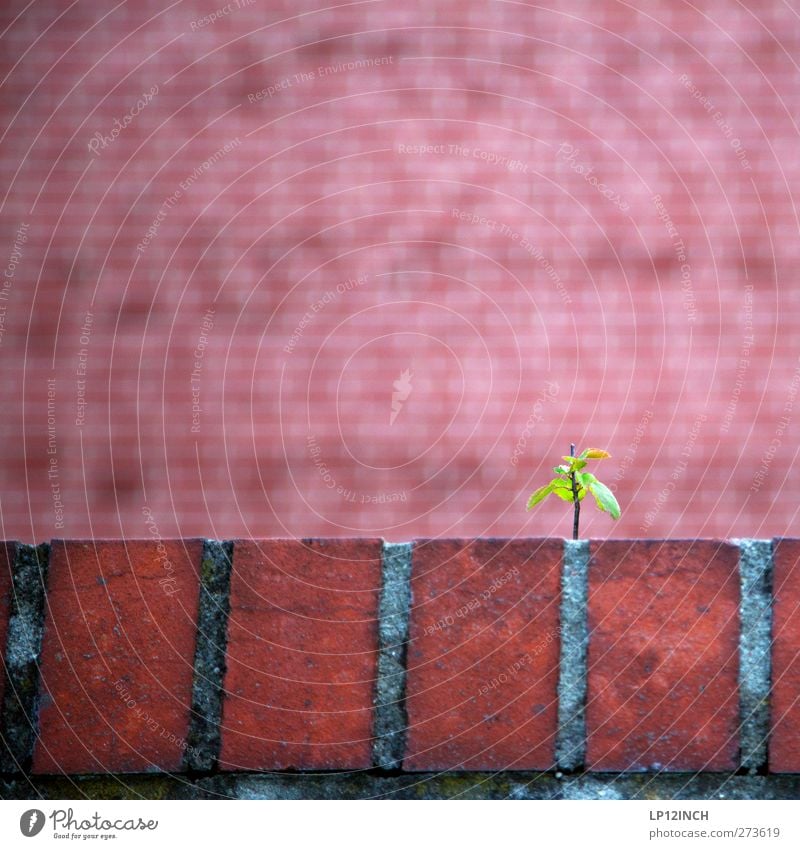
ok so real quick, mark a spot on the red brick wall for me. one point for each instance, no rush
(583, 304)
(488, 631)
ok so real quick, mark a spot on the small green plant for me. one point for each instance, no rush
(572, 484)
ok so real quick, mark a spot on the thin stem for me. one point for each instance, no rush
(576, 504)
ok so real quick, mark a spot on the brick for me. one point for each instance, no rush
(663, 656)
(784, 743)
(302, 654)
(7, 553)
(117, 656)
(483, 654)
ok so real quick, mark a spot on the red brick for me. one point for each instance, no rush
(663, 656)
(7, 553)
(302, 654)
(784, 744)
(117, 656)
(483, 654)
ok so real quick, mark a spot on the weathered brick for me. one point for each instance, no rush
(302, 654)
(7, 552)
(784, 744)
(117, 656)
(483, 654)
(663, 655)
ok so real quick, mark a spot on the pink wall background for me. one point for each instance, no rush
(598, 245)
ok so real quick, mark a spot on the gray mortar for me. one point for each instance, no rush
(755, 611)
(202, 751)
(390, 711)
(571, 740)
(368, 785)
(684, 787)
(23, 647)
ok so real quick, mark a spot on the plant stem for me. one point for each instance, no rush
(577, 505)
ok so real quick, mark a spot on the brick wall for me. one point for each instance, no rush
(565, 667)
(562, 224)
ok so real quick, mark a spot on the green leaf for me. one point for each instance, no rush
(605, 499)
(540, 494)
(561, 470)
(563, 489)
(586, 478)
(582, 493)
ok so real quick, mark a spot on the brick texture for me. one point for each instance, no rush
(483, 654)
(117, 656)
(784, 745)
(565, 314)
(302, 654)
(7, 552)
(663, 656)
(116, 675)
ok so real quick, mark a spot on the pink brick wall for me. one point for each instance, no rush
(584, 313)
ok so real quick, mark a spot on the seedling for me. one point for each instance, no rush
(572, 484)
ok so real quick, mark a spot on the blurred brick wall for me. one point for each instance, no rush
(599, 246)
